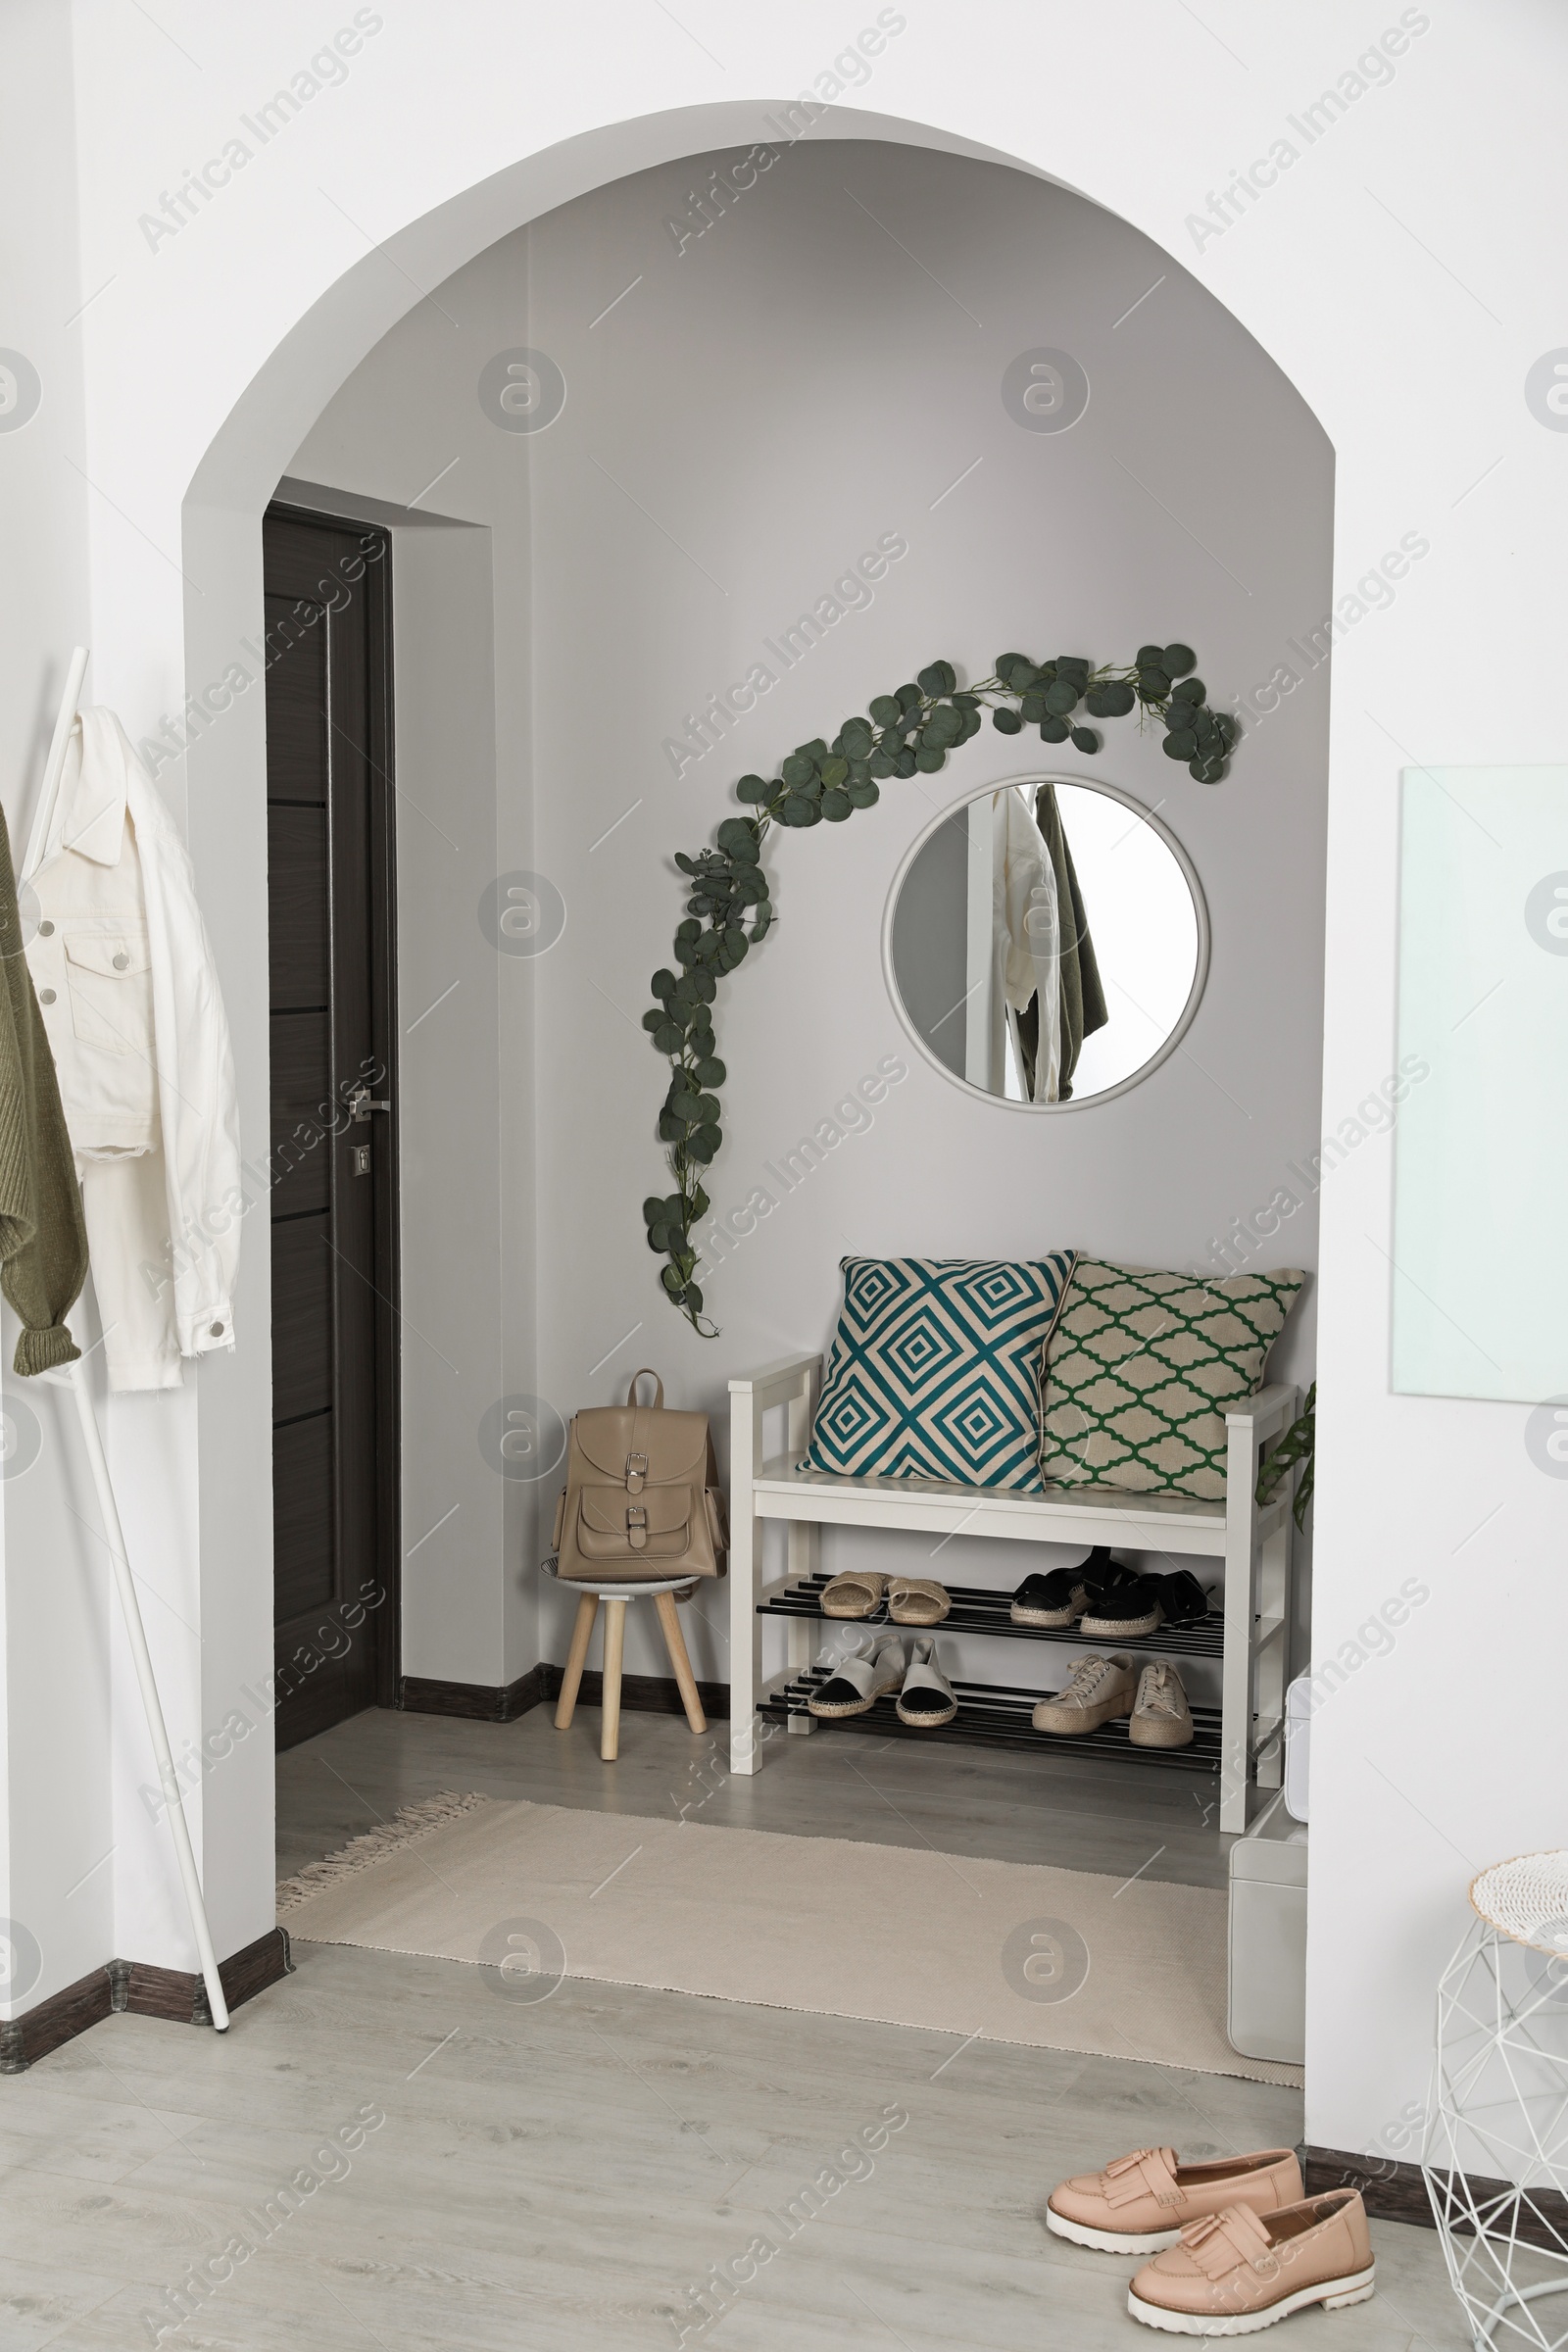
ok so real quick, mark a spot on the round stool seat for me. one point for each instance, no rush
(618, 1592)
(614, 1594)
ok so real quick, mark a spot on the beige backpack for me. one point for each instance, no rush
(642, 1499)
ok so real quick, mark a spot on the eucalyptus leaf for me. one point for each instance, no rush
(765, 918)
(1180, 744)
(796, 811)
(711, 1073)
(834, 774)
(750, 788)
(669, 1037)
(863, 796)
(1190, 690)
(836, 806)
(881, 763)
(1006, 721)
(704, 1145)
(932, 680)
(905, 764)
(1053, 730)
(736, 834)
(929, 757)
(1177, 660)
(1085, 739)
(797, 768)
(671, 1280)
(653, 1211)
(1153, 684)
(884, 709)
(1149, 656)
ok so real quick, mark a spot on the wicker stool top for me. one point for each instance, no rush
(1526, 1899)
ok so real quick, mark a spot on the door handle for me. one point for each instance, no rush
(361, 1105)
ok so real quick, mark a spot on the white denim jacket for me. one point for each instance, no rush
(126, 981)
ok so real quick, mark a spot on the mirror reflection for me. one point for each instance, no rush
(1046, 943)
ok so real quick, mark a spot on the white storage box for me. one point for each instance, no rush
(1267, 2015)
(1298, 1703)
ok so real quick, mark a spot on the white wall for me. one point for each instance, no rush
(761, 408)
(1406, 297)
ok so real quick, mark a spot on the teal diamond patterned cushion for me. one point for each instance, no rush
(936, 1367)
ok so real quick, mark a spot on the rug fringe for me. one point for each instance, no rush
(363, 1853)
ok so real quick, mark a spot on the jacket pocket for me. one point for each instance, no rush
(109, 974)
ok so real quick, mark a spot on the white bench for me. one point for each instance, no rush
(1253, 1542)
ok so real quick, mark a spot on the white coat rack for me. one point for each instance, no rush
(74, 1376)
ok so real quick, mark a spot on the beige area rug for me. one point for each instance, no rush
(1002, 1951)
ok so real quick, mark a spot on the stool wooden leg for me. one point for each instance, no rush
(686, 1680)
(615, 1644)
(571, 1679)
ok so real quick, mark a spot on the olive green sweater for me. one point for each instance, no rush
(44, 1240)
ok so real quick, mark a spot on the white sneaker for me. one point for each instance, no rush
(1098, 1690)
(926, 1700)
(858, 1680)
(1161, 1717)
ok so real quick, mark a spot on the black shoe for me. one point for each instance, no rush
(1182, 1598)
(1122, 1612)
(1059, 1596)
(1058, 1599)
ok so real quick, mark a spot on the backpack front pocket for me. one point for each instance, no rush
(614, 1525)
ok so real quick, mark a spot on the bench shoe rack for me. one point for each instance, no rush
(1241, 1741)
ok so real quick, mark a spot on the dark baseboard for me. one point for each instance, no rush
(479, 1702)
(503, 1702)
(134, 1986)
(1398, 2193)
(643, 1694)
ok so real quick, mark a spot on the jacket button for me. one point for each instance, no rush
(216, 1331)
(46, 930)
(47, 996)
(120, 961)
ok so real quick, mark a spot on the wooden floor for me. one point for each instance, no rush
(1073, 1811)
(564, 2172)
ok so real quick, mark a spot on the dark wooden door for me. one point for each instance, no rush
(334, 1157)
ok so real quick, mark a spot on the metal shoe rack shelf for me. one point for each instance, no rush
(1241, 1740)
(996, 1714)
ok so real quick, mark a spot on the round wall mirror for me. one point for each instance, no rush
(1046, 943)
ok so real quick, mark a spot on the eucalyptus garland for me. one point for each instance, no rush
(730, 907)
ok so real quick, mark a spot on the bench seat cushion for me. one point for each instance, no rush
(1141, 1369)
(935, 1369)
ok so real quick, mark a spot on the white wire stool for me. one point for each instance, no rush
(1495, 2150)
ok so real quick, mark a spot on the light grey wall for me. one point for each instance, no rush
(929, 941)
(816, 374)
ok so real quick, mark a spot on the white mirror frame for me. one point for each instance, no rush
(1128, 799)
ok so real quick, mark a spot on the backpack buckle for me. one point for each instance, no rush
(637, 1527)
(636, 1473)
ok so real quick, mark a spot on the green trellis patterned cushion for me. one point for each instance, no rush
(935, 1369)
(1140, 1369)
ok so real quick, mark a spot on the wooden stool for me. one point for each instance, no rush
(615, 1598)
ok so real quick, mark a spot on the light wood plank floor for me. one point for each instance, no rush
(1075, 1811)
(563, 2174)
